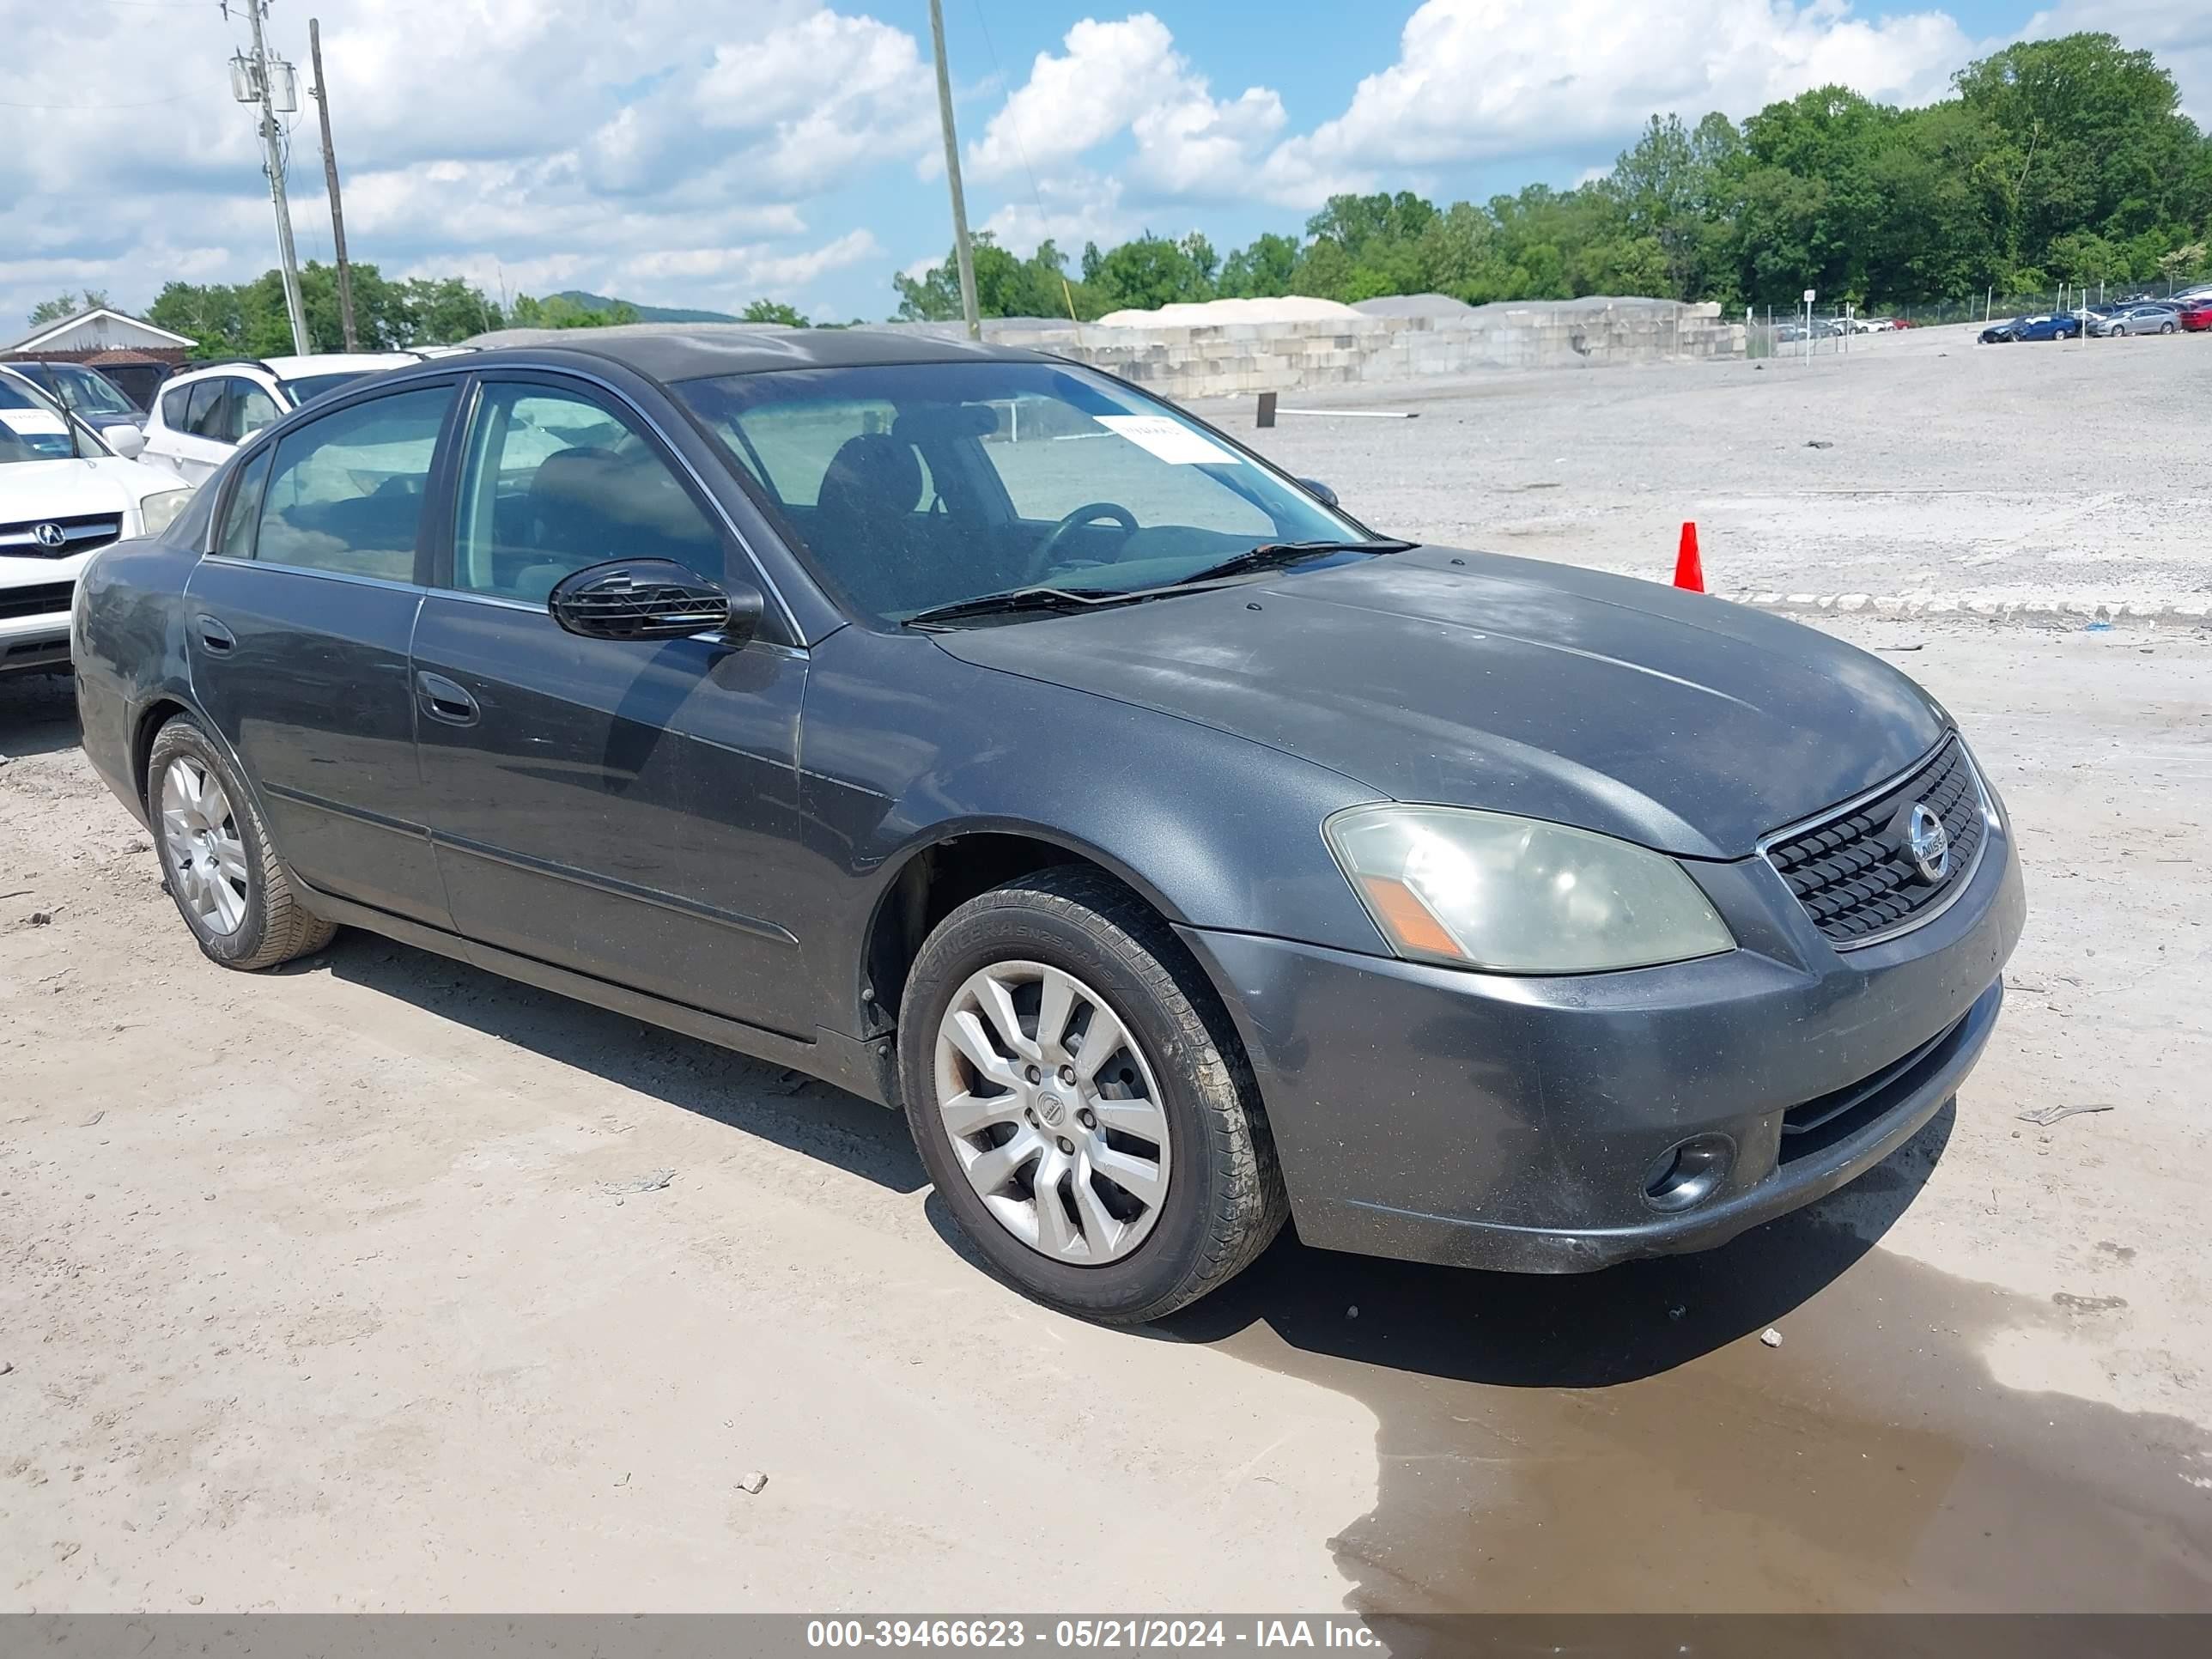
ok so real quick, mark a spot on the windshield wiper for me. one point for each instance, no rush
(1268, 556)
(1016, 599)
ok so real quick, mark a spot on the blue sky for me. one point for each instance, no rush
(677, 153)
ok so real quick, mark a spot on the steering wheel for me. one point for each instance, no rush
(1088, 513)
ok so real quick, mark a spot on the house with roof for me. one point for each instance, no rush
(130, 352)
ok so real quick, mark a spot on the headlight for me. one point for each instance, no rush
(1519, 896)
(160, 511)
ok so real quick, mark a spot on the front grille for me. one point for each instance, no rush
(1852, 872)
(81, 534)
(35, 601)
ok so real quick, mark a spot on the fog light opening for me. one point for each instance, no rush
(1685, 1177)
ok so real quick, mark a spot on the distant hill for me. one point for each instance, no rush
(645, 313)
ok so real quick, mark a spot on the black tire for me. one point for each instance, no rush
(2166, 328)
(276, 926)
(1225, 1201)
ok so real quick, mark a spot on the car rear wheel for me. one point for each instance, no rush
(2166, 328)
(1081, 1101)
(216, 859)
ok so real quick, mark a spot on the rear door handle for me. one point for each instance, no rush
(215, 635)
(442, 700)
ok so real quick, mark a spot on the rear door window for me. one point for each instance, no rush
(207, 412)
(346, 492)
(176, 403)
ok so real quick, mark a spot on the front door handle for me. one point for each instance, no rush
(442, 700)
(215, 635)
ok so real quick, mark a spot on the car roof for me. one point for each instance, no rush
(288, 368)
(338, 363)
(680, 352)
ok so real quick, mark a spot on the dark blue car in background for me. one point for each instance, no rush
(2032, 328)
(977, 733)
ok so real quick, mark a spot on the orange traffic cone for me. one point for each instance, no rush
(1689, 569)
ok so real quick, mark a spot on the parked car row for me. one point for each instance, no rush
(66, 492)
(192, 431)
(2190, 312)
(206, 411)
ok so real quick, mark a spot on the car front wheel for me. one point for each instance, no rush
(216, 859)
(1081, 1101)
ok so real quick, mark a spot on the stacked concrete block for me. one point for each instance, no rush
(1236, 359)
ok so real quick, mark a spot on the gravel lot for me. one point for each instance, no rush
(314, 1295)
(2039, 475)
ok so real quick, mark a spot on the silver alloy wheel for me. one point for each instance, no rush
(1053, 1111)
(207, 856)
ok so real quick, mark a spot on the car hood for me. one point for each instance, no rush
(1677, 721)
(63, 488)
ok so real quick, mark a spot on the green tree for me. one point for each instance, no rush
(557, 312)
(435, 311)
(1324, 270)
(1005, 286)
(772, 310)
(249, 319)
(67, 305)
(1263, 268)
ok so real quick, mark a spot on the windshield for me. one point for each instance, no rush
(90, 393)
(308, 387)
(31, 427)
(915, 486)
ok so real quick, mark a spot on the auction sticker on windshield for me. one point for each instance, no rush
(1170, 441)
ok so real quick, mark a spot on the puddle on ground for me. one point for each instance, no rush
(1624, 1442)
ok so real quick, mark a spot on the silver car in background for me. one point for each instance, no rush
(2140, 318)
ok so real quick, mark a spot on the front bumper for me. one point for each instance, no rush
(36, 640)
(1487, 1120)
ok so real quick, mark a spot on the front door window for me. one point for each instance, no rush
(554, 481)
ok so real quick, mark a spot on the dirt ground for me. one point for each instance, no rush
(2042, 474)
(315, 1294)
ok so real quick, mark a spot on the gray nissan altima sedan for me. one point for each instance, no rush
(994, 740)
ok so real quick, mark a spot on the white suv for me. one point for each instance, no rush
(204, 413)
(64, 494)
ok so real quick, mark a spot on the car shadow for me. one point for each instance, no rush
(38, 715)
(783, 1107)
(1565, 1331)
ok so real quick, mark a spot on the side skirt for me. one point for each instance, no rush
(867, 1069)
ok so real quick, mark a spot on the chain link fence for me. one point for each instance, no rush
(1774, 331)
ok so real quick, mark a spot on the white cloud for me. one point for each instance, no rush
(1128, 76)
(822, 96)
(1482, 80)
(1070, 209)
(533, 139)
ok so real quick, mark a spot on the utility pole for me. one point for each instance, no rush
(960, 253)
(254, 87)
(331, 177)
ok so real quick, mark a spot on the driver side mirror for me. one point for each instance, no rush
(651, 599)
(1315, 487)
(124, 439)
